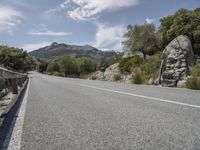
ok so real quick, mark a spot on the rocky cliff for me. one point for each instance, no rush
(178, 60)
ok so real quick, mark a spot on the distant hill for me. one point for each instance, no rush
(55, 50)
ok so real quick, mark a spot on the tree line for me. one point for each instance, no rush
(16, 59)
(75, 66)
(148, 40)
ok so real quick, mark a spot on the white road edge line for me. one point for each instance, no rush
(140, 96)
(15, 140)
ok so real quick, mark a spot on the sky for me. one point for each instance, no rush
(32, 24)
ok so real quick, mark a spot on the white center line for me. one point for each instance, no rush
(140, 96)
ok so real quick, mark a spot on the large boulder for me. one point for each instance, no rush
(178, 60)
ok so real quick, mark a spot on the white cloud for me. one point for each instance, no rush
(109, 36)
(9, 18)
(42, 30)
(149, 21)
(50, 33)
(33, 46)
(60, 7)
(88, 9)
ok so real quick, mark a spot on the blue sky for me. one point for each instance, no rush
(31, 24)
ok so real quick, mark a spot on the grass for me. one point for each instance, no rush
(117, 77)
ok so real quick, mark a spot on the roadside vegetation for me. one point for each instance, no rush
(14, 59)
(194, 81)
(149, 42)
(146, 42)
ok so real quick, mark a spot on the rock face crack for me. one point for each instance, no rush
(178, 62)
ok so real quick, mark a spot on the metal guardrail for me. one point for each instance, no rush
(17, 79)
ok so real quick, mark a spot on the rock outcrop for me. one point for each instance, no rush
(111, 72)
(177, 62)
(127, 54)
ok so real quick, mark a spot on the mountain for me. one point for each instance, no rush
(55, 50)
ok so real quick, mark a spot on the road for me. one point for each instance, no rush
(65, 114)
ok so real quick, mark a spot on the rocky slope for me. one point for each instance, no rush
(55, 50)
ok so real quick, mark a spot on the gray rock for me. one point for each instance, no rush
(178, 63)
(127, 54)
(181, 84)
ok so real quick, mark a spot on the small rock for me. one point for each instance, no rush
(181, 84)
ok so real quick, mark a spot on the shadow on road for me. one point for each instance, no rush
(7, 122)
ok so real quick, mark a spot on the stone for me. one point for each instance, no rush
(178, 62)
(127, 54)
(181, 84)
(151, 81)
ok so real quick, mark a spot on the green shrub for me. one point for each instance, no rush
(60, 74)
(196, 70)
(93, 77)
(117, 77)
(151, 67)
(138, 77)
(126, 64)
(193, 83)
(2, 94)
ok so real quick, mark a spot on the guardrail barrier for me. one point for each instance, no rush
(14, 78)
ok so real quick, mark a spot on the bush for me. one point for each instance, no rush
(117, 77)
(196, 70)
(93, 77)
(2, 94)
(60, 74)
(193, 83)
(151, 67)
(138, 77)
(126, 64)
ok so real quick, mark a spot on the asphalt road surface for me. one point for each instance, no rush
(74, 114)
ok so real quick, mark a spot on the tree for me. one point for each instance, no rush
(183, 22)
(53, 67)
(42, 66)
(16, 59)
(86, 65)
(141, 38)
(68, 65)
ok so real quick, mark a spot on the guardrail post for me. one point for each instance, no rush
(14, 86)
(20, 81)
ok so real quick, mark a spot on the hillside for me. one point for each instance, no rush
(55, 50)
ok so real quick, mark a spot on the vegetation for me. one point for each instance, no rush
(93, 77)
(67, 66)
(42, 66)
(183, 22)
(150, 68)
(127, 64)
(142, 38)
(194, 81)
(196, 70)
(2, 94)
(138, 77)
(60, 74)
(16, 59)
(117, 77)
(86, 65)
(53, 67)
